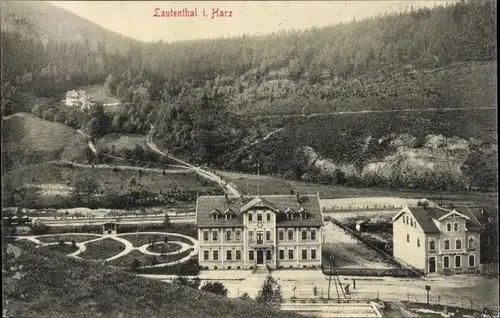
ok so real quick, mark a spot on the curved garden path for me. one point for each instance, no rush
(128, 245)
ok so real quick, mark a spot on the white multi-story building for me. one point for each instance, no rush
(242, 232)
(437, 240)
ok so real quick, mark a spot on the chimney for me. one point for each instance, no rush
(298, 197)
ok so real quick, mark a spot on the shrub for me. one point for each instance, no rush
(136, 263)
(73, 243)
(40, 229)
(215, 288)
(61, 243)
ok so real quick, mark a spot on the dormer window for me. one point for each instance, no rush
(303, 213)
(215, 214)
(229, 216)
(289, 213)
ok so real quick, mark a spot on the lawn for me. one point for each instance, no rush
(161, 248)
(65, 248)
(247, 184)
(121, 142)
(102, 249)
(29, 139)
(54, 285)
(142, 239)
(111, 180)
(126, 260)
(67, 238)
(147, 260)
(98, 93)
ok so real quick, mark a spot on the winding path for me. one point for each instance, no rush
(231, 188)
(128, 245)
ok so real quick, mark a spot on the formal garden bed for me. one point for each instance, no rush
(126, 261)
(141, 239)
(64, 248)
(67, 238)
(164, 248)
(102, 249)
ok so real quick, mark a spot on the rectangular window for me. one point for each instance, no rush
(250, 217)
(290, 254)
(304, 235)
(259, 217)
(304, 254)
(229, 255)
(472, 261)
(446, 262)
(458, 244)
(458, 261)
(411, 222)
(455, 227)
(216, 255)
(268, 235)
(205, 255)
(250, 236)
(446, 244)
(418, 242)
(408, 238)
(205, 236)
(238, 255)
(313, 235)
(250, 255)
(238, 235)
(472, 244)
(313, 254)
(282, 254)
(268, 217)
(281, 235)
(268, 255)
(448, 227)
(290, 235)
(228, 236)
(432, 245)
(215, 236)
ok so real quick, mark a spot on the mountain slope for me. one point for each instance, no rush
(47, 22)
(28, 139)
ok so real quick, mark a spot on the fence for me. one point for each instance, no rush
(306, 295)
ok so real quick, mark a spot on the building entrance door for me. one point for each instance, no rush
(260, 257)
(432, 264)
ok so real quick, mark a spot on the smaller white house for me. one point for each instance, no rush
(78, 99)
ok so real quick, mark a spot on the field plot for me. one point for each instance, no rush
(247, 183)
(55, 176)
(348, 252)
(98, 93)
(120, 142)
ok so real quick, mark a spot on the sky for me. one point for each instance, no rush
(135, 18)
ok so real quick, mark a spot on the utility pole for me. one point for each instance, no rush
(330, 275)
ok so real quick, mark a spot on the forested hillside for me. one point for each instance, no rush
(204, 96)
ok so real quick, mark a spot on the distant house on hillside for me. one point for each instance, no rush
(437, 240)
(78, 99)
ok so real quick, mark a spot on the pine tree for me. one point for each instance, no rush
(270, 293)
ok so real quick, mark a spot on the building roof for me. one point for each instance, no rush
(309, 204)
(426, 218)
